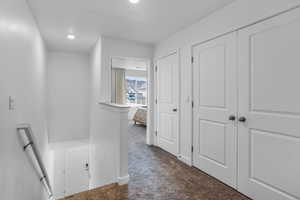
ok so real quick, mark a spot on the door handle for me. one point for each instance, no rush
(242, 119)
(232, 118)
(175, 110)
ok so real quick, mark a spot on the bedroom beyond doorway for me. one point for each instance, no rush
(129, 86)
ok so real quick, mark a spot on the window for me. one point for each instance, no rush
(136, 90)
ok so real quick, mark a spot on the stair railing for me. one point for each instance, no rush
(26, 136)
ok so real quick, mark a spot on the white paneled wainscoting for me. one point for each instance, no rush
(82, 165)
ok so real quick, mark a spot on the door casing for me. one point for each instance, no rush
(177, 53)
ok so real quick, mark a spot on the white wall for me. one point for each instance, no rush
(119, 48)
(97, 178)
(68, 96)
(22, 76)
(234, 16)
(95, 76)
(109, 146)
(104, 125)
(103, 128)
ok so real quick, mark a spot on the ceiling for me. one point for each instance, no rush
(150, 21)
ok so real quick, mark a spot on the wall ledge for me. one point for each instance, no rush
(114, 107)
(123, 180)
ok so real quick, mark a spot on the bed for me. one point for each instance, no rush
(140, 116)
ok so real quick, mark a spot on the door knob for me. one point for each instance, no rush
(242, 119)
(231, 118)
(175, 110)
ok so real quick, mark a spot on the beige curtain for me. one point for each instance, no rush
(120, 90)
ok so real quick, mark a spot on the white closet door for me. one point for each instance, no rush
(167, 103)
(215, 100)
(269, 99)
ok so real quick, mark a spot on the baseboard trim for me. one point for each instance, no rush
(91, 192)
(123, 180)
(186, 160)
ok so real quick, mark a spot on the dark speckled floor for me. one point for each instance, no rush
(157, 175)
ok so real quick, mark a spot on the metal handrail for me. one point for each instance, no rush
(25, 133)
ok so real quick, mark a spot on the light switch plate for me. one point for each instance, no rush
(11, 103)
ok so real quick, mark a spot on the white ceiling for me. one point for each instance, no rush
(150, 21)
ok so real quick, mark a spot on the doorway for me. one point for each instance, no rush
(130, 85)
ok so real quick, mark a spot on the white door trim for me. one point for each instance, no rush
(155, 142)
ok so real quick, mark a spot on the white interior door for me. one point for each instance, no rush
(215, 100)
(269, 101)
(77, 171)
(167, 103)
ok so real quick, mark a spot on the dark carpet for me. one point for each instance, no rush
(158, 175)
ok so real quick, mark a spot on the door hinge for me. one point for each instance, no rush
(156, 68)
(192, 149)
(192, 104)
(192, 59)
(156, 133)
(155, 101)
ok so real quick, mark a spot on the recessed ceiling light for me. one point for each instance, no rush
(71, 36)
(134, 1)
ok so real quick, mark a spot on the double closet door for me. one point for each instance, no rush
(247, 108)
(215, 100)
